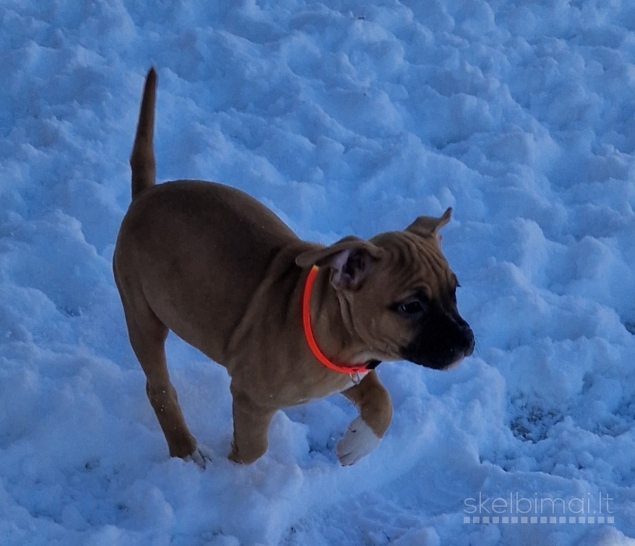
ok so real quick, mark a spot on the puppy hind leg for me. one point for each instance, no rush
(147, 337)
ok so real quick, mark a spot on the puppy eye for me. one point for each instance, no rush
(411, 308)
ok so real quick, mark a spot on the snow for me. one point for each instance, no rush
(344, 118)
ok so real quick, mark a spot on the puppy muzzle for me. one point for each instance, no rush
(442, 345)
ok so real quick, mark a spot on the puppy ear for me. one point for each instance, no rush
(426, 226)
(350, 261)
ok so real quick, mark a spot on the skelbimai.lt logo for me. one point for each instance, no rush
(516, 508)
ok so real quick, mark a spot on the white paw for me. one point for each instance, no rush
(358, 442)
(200, 457)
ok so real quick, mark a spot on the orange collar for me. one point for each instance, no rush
(308, 332)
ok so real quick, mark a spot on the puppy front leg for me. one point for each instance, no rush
(366, 431)
(251, 424)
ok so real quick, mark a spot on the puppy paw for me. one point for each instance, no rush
(358, 442)
(200, 456)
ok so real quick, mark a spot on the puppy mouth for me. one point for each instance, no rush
(437, 357)
(442, 364)
(455, 362)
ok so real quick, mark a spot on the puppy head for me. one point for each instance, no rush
(398, 293)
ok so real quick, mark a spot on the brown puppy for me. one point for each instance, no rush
(226, 275)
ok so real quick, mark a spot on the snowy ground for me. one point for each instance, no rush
(344, 117)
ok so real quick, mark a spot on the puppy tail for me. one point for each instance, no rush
(142, 157)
